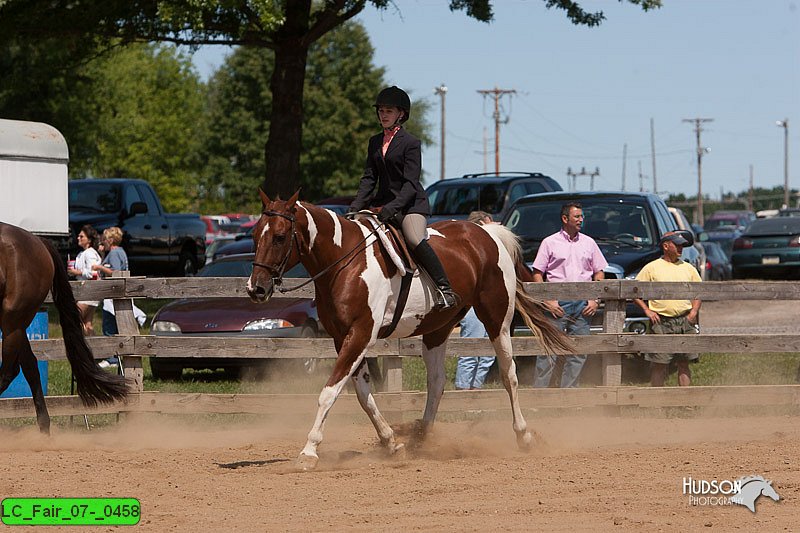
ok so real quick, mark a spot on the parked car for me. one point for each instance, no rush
(738, 219)
(768, 248)
(157, 243)
(697, 257)
(456, 198)
(216, 244)
(213, 229)
(718, 266)
(233, 317)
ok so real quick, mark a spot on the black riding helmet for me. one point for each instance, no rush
(396, 97)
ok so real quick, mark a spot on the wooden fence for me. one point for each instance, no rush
(610, 346)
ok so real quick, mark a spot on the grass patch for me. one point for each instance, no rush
(744, 369)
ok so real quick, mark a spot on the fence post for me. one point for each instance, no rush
(613, 322)
(127, 325)
(392, 374)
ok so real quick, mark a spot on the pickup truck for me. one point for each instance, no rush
(157, 243)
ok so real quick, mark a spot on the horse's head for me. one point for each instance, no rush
(275, 242)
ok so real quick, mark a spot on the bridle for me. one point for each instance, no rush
(276, 274)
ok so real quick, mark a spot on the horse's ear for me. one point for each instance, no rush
(264, 198)
(293, 200)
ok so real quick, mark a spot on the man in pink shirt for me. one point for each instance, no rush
(568, 255)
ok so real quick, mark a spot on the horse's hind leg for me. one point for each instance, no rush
(508, 372)
(17, 353)
(361, 381)
(30, 369)
(433, 354)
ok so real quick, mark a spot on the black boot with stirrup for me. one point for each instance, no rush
(444, 297)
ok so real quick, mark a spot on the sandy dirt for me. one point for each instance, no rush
(586, 473)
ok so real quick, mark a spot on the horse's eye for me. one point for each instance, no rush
(279, 239)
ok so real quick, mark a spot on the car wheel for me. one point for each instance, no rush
(164, 370)
(187, 264)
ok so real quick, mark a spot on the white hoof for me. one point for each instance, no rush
(307, 462)
(525, 441)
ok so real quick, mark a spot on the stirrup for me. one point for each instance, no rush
(445, 298)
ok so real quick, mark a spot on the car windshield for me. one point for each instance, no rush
(605, 220)
(94, 197)
(242, 268)
(774, 226)
(463, 198)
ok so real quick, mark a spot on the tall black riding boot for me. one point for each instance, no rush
(427, 258)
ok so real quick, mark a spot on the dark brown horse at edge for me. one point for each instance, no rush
(358, 296)
(29, 268)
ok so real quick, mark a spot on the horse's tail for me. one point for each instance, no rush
(94, 384)
(532, 311)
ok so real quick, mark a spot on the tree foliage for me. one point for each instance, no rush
(288, 28)
(133, 112)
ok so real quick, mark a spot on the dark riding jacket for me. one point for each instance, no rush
(393, 181)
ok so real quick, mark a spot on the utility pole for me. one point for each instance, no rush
(653, 152)
(785, 125)
(574, 176)
(442, 91)
(750, 191)
(641, 177)
(497, 94)
(700, 151)
(624, 163)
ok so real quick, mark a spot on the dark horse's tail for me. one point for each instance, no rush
(94, 383)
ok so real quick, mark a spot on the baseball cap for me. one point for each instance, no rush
(674, 237)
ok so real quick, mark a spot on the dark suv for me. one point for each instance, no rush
(456, 198)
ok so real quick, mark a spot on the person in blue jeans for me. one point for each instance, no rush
(471, 371)
(573, 322)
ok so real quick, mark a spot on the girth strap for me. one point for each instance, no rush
(402, 299)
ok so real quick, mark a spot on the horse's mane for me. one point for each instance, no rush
(509, 239)
(748, 479)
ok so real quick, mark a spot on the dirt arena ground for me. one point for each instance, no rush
(588, 473)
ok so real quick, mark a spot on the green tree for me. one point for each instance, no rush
(149, 107)
(341, 85)
(288, 28)
(132, 112)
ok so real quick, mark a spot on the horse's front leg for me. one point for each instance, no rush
(351, 352)
(508, 372)
(364, 394)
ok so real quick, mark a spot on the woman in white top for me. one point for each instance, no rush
(87, 239)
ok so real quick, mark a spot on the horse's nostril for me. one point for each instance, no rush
(260, 291)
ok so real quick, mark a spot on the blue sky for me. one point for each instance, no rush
(582, 93)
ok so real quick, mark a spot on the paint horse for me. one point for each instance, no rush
(357, 288)
(29, 268)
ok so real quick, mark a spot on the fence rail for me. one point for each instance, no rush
(610, 345)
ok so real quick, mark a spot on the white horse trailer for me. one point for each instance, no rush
(33, 178)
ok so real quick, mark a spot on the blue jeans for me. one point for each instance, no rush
(471, 371)
(573, 323)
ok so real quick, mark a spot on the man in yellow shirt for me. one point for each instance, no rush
(670, 316)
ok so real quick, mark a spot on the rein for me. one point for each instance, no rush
(277, 274)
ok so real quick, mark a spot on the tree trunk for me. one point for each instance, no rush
(282, 152)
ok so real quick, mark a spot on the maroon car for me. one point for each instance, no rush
(235, 317)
